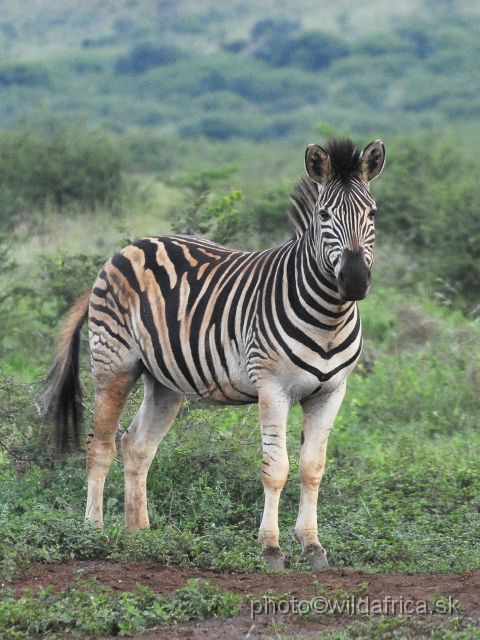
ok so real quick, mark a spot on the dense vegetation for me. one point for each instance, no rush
(402, 482)
(211, 142)
(420, 73)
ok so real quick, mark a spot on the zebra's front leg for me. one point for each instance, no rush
(318, 418)
(273, 409)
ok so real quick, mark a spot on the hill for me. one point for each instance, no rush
(194, 70)
(38, 28)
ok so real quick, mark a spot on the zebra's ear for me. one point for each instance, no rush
(372, 161)
(317, 163)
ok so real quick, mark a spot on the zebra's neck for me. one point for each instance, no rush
(312, 293)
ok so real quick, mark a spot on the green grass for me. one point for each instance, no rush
(89, 608)
(144, 211)
(400, 491)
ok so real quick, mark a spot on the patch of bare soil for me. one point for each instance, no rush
(418, 590)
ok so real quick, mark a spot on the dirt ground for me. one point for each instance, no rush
(418, 590)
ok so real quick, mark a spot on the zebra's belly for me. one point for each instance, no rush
(213, 384)
(233, 377)
(226, 391)
(237, 386)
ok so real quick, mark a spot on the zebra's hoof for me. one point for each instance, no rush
(316, 556)
(275, 564)
(274, 558)
(319, 562)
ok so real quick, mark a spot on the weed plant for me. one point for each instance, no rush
(89, 608)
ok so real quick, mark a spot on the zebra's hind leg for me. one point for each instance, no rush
(139, 444)
(318, 418)
(273, 408)
(110, 395)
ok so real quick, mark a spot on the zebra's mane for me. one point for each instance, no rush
(302, 205)
(344, 164)
(344, 159)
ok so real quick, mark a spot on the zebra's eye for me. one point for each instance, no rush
(372, 213)
(324, 216)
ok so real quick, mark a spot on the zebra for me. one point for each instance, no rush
(198, 320)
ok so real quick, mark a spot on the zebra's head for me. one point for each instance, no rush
(344, 212)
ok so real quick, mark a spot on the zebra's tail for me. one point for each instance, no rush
(61, 395)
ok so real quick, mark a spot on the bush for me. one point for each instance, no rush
(280, 44)
(220, 125)
(377, 43)
(33, 303)
(207, 214)
(270, 214)
(146, 56)
(23, 75)
(429, 200)
(56, 165)
(276, 90)
(315, 50)
(273, 29)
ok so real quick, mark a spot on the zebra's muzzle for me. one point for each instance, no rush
(354, 276)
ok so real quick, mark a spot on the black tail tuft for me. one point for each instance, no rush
(61, 395)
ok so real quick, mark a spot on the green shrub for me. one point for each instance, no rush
(34, 300)
(31, 75)
(316, 50)
(270, 214)
(280, 43)
(146, 56)
(57, 164)
(220, 125)
(275, 89)
(429, 200)
(89, 608)
(378, 43)
(206, 213)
